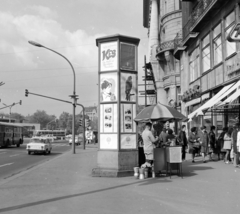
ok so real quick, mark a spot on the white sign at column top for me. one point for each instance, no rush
(109, 56)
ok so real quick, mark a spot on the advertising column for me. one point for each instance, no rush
(117, 154)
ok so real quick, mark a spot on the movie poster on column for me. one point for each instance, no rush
(128, 87)
(108, 87)
(109, 56)
(128, 141)
(128, 113)
(108, 118)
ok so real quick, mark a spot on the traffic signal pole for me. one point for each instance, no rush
(78, 104)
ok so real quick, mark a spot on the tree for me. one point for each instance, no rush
(63, 120)
(17, 117)
(40, 117)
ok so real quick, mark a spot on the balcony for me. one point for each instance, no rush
(201, 14)
(165, 46)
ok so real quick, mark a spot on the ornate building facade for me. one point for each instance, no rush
(163, 19)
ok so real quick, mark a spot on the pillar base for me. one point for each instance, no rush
(115, 163)
(99, 172)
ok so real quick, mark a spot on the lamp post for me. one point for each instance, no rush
(74, 96)
(10, 108)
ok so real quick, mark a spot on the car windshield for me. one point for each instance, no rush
(36, 141)
(39, 141)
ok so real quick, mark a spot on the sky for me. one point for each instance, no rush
(70, 28)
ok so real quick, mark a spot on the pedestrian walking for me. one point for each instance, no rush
(234, 150)
(193, 143)
(220, 143)
(212, 142)
(204, 142)
(227, 145)
(182, 141)
(148, 144)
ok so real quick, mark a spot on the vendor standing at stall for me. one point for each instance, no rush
(148, 143)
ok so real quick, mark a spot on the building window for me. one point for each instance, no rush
(217, 44)
(229, 22)
(206, 53)
(194, 65)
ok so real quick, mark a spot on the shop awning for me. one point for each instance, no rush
(214, 100)
(230, 99)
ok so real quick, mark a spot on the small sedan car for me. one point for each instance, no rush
(39, 146)
(77, 141)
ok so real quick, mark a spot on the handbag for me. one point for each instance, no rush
(227, 144)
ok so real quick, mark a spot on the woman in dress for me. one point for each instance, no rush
(204, 141)
(227, 144)
(193, 142)
(220, 143)
(212, 142)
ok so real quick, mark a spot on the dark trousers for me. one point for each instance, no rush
(183, 152)
(141, 156)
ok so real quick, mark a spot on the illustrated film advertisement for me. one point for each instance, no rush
(108, 118)
(128, 141)
(109, 56)
(128, 87)
(128, 112)
(128, 56)
(108, 141)
(108, 87)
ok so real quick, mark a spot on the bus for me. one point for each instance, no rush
(58, 134)
(10, 134)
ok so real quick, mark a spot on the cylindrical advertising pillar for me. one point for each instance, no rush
(117, 81)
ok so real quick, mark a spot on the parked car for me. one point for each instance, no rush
(39, 146)
(77, 140)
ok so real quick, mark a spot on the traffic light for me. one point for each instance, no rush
(26, 93)
(80, 122)
(20, 102)
(87, 122)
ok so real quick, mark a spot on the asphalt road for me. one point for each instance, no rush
(14, 160)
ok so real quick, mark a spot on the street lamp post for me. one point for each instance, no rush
(74, 96)
(10, 108)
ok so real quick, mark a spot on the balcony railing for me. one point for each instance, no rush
(165, 46)
(200, 8)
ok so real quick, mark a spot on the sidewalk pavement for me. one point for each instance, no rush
(65, 185)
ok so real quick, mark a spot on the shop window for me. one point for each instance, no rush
(206, 53)
(217, 44)
(194, 66)
(229, 22)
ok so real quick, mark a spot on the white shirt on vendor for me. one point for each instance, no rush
(148, 140)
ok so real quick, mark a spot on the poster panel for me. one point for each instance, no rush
(127, 115)
(109, 56)
(128, 141)
(108, 118)
(128, 56)
(128, 87)
(108, 87)
(108, 141)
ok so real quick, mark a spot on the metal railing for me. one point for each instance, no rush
(165, 46)
(197, 11)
